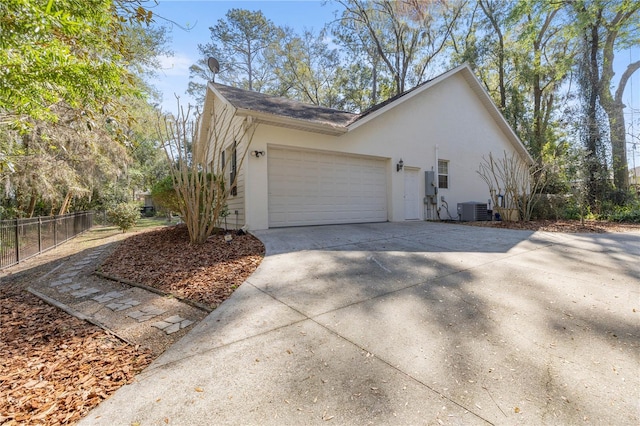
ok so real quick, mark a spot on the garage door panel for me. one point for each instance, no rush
(314, 188)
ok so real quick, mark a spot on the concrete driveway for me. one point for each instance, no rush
(410, 324)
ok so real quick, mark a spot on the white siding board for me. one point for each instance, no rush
(236, 202)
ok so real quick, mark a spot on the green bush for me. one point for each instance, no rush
(621, 198)
(165, 196)
(628, 213)
(571, 211)
(550, 206)
(124, 215)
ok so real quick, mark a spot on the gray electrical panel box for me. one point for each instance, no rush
(430, 188)
(472, 211)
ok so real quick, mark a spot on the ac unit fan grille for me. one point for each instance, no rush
(472, 211)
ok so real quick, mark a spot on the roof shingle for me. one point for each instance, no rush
(260, 102)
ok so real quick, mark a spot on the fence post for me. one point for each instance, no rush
(17, 243)
(23, 228)
(39, 234)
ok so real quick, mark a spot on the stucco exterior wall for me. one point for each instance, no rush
(447, 121)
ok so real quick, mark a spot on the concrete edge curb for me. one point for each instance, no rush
(77, 314)
(155, 290)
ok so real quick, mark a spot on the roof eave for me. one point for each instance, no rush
(220, 96)
(292, 123)
(495, 113)
(357, 123)
(476, 87)
(280, 120)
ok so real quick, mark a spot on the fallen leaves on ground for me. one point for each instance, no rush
(206, 273)
(568, 226)
(54, 367)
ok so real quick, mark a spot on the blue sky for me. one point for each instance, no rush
(173, 78)
(200, 15)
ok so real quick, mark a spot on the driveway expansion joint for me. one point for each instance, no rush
(362, 348)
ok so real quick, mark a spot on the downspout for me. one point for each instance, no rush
(436, 179)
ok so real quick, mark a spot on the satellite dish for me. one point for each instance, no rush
(214, 65)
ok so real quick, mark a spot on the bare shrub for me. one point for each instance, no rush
(515, 180)
(194, 144)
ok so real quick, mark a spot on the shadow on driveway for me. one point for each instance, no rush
(410, 323)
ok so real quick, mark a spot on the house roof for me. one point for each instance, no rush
(248, 100)
(298, 115)
(390, 101)
(274, 108)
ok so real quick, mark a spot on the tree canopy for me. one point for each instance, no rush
(73, 97)
(72, 74)
(60, 51)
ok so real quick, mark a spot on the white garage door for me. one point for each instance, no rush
(318, 188)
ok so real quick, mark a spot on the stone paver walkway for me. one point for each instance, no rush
(172, 324)
(125, 310)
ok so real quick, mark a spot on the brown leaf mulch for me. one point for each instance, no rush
(165, 260)
(568, 226)
(54, 367)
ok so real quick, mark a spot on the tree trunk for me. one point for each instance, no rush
(65, 204)
(614, 108)
(501, 55)
(249, 68)
(537, 143)
(539, 125)
(32, 203)
(593, 136)
(618, 147)
(374, 83)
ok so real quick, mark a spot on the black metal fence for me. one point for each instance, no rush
(21, 239)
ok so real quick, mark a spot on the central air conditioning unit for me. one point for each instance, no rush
(472, 211)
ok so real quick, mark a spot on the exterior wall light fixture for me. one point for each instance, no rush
(257, 153)
(400, 165)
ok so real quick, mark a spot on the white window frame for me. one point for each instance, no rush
(444, 174)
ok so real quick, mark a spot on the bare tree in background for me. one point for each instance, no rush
(518, 182)
(198, 163)
(245, 43)
(403, 36)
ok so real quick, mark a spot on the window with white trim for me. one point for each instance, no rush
(443, 174)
